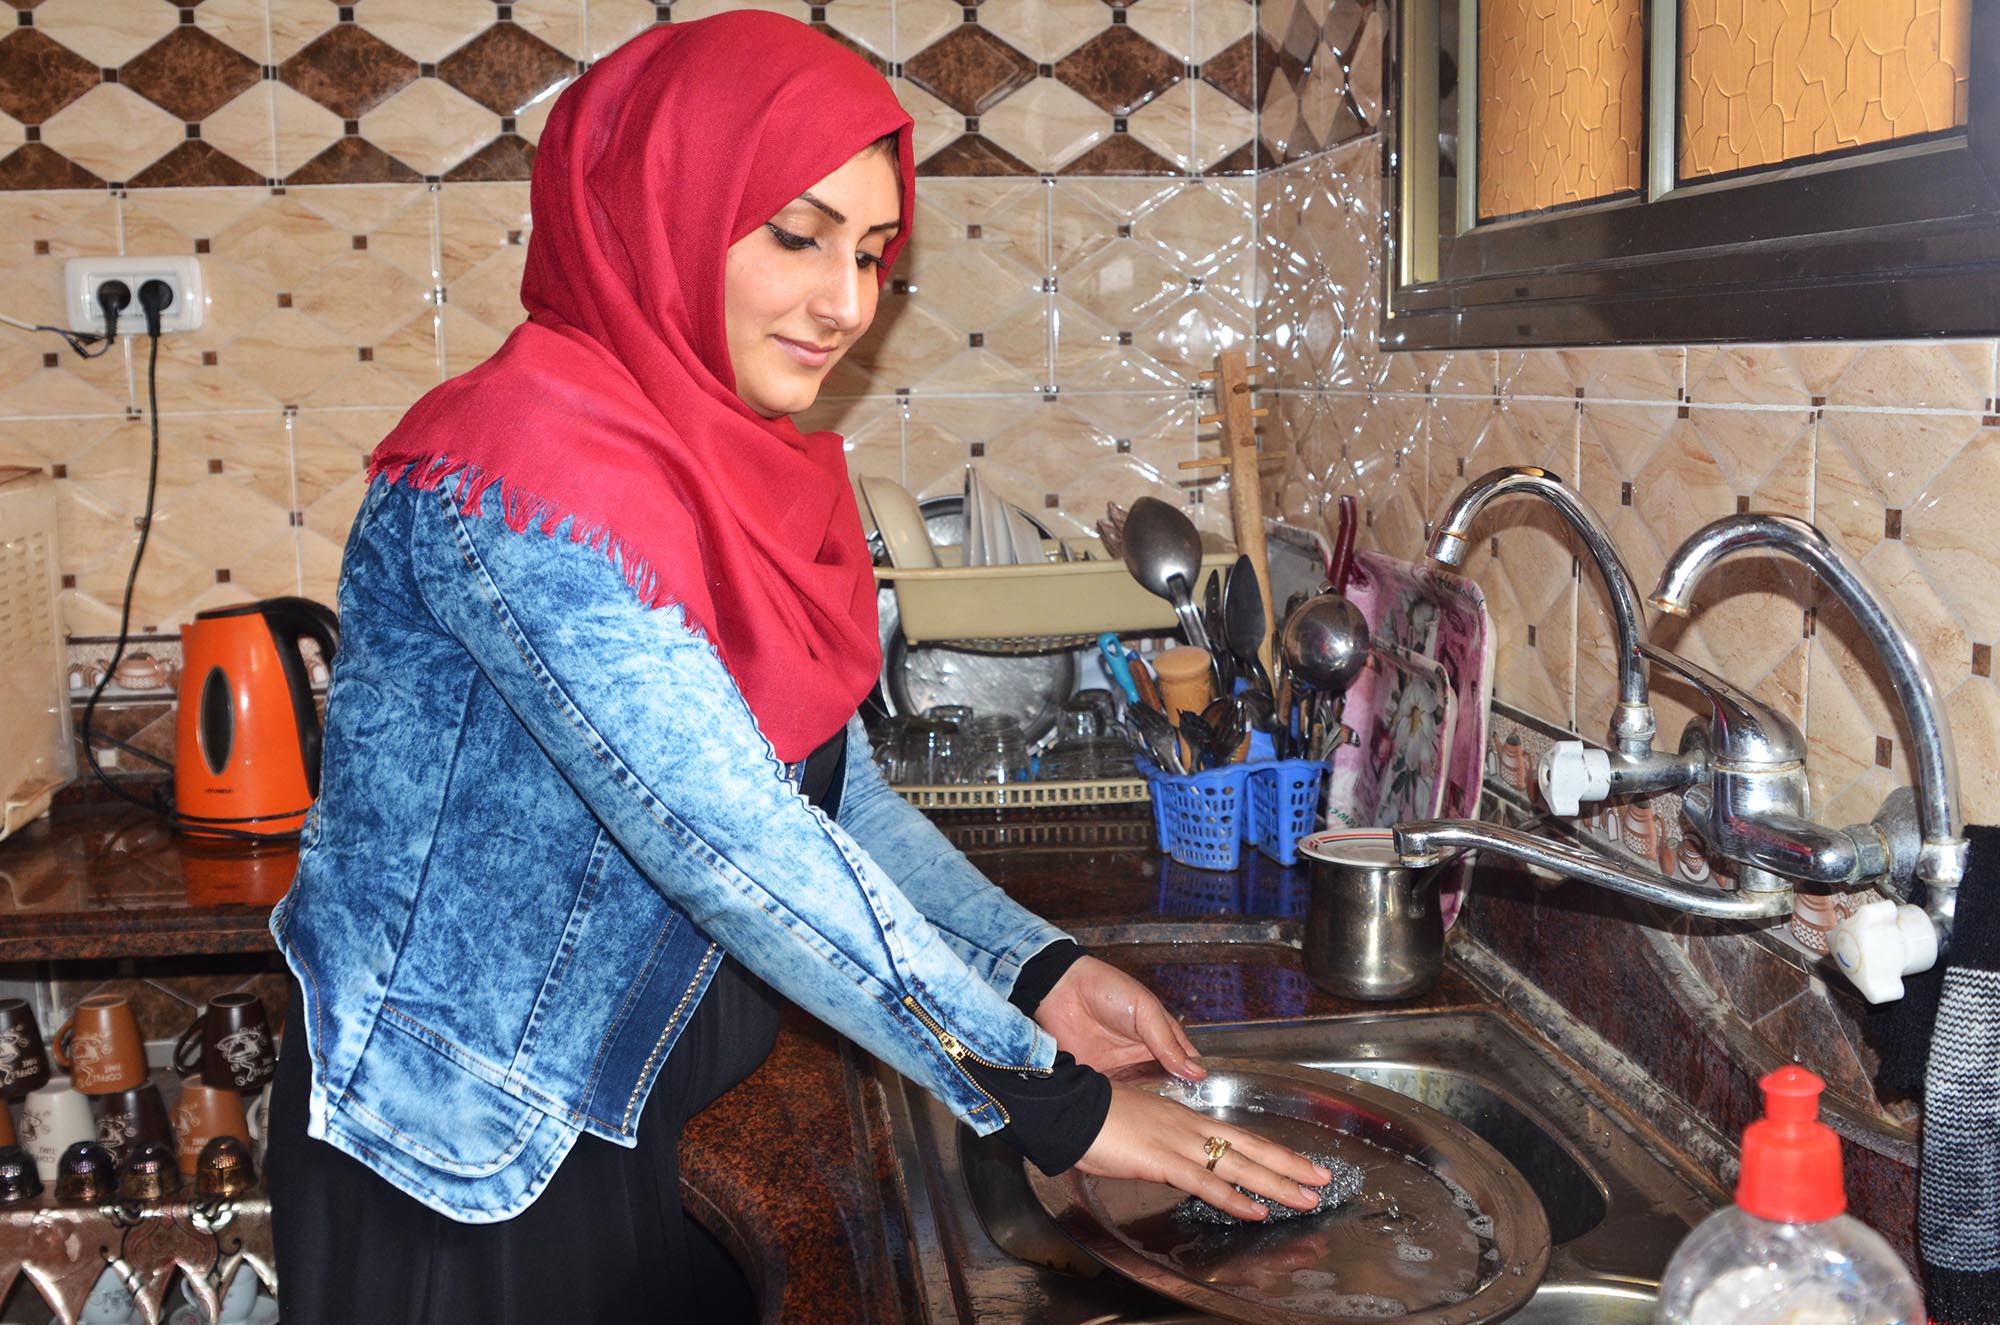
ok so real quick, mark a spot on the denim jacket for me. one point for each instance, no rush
(542, 807)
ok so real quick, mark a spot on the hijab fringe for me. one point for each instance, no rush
(520, 510)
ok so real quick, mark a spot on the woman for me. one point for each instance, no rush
(592, 773)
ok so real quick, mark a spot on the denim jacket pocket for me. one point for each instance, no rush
(424, 1104)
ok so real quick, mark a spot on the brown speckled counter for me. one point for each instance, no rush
(108, 880)
(792, 1167)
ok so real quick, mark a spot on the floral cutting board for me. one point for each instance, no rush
(1421, 612)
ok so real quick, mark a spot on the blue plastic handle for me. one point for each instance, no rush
(1121, 671)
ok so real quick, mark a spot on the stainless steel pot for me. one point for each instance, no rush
(1373, 929)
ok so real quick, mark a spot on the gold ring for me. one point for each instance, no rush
(1215, 1148)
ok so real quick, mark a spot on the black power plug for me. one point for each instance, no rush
(112, 298)
(155, 298)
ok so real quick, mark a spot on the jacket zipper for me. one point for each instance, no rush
(954, 1049)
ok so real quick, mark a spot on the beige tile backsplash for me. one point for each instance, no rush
(1047, 329)
(1892, 448)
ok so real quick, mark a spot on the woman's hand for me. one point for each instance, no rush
(1154, 1139)
(1107, 1020)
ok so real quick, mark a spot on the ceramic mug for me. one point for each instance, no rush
(100, 1047)
(229, 1044)
(130, 1117)
(52, 1118)
(202, 1113)
(238, 1303)
(24, 1060)
(110, 1302)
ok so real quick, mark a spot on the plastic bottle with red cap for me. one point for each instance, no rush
(1787, 1253)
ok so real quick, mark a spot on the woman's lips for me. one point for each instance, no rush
(807, 353)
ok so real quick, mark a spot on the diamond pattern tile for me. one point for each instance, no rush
(349, 70)
(334, 73)
(1119, 71)
(39, 76)
(505, 69)
(190, 73)
(865, 25)
(1048, 30)
(238, 24)
(428, 30)
(302, 128)
(970, 69)
(1045, 125)
(242, 129)
(430, 127)
(105, 35)
(113, 132)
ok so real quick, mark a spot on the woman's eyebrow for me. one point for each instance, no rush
(840, 218)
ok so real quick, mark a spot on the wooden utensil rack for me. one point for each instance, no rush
(1241, 458)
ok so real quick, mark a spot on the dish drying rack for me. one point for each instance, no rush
(1026, 795)
(1032, 607)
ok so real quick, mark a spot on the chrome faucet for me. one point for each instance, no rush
(1886, 851)
(1633, 765)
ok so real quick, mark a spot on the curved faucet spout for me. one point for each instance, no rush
(1422, 842)
(1633, 726)
(1941, 859)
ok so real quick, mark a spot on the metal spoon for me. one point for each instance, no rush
(1162, 742)
(1163, 552)
(1243, 621)
(1200, 739)
(1325, 644)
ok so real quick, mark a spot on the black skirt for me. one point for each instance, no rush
(607, 1243)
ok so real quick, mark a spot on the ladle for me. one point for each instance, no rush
(1325, 646)
(1163, 552)
(1325, 643)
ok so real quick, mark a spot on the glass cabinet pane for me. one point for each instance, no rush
(1764, 82)
(1561, 102)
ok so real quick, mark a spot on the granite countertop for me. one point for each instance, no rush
(792, 1167)
(111, 880)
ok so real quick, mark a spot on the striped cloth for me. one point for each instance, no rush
(1958, 1195)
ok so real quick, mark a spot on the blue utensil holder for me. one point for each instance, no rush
(1284, 805)
(1202, 818)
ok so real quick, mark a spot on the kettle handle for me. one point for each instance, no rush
(291, 619)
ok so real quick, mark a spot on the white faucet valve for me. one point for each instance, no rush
(1880, 944)
(1571, 773)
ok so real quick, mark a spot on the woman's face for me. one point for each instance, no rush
(799, 290)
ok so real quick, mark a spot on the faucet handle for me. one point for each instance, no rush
(1880, 944)
(1571, 773)
(1742, 727)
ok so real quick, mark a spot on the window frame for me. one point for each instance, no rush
(1894, 242)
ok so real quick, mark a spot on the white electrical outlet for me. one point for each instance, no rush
(82, 276)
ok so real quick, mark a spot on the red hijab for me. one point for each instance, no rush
(614, 405)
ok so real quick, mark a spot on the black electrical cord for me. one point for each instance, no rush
(111, 297)
(154, 298)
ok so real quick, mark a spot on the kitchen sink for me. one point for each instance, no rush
(1617, 1204)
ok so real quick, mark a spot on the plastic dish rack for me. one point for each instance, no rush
(1203, 819)
(1015, 795)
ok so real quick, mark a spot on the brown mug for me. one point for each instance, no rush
(100, 1046)
(203, 1113)
(130, 1117)
(7, 1137)
(24, 1060)
(229, 1044)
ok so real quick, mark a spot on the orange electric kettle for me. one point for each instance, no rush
(247, 737)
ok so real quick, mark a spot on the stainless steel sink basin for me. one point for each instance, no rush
(1616, 1206)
